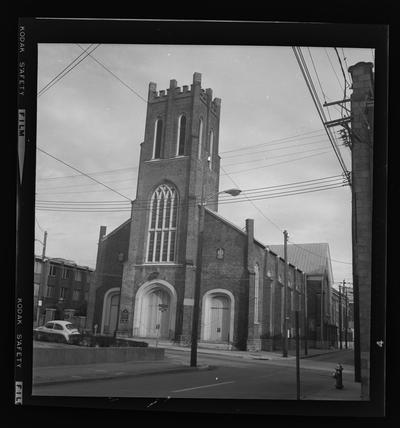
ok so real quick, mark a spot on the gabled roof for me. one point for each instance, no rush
(313, 259)
(230, 224)
(108, 235)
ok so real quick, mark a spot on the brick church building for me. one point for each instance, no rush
(145, 273)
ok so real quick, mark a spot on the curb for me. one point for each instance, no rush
(322, 353)
(124, 375)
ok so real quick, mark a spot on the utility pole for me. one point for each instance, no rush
(305, 316)
(42, 279)
(340, 318)
(285, 331)
(345, 319)
(297, 355)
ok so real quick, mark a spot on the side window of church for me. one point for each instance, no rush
(181, 135)
(200, 137)
(211, 148)
(157, 139)
(162, 225)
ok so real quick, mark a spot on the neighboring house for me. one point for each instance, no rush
(61, 289)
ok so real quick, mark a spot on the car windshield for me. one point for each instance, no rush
(70, 327)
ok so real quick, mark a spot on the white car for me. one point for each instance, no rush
(59, 330)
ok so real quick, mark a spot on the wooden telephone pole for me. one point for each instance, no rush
(285, 330)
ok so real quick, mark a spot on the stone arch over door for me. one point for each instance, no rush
(155, 310)
(110, 310)
(218, 315)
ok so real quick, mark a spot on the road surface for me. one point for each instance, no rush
(228, 378)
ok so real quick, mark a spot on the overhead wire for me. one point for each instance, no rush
(253, 194)
(81, 172)
(276, 141)
(113, 74)
(304, 69)
(63, 70)
(107, 171)
(64, 73)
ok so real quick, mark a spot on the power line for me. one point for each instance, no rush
(276, 163)
(277, 157)
(273, 223)
(250, 192)
(106, 171)
(113, 74)
(274, 149)
(303, 136)
(146, 206)
(254, 205)
(37, 222)
(330, 62)
(81, 172)
(296, 182)
(60, 76)
(63, 70)
(67, 186)
(317, 103)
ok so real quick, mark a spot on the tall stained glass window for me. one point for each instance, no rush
(162, 225)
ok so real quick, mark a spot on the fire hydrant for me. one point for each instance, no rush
(338, 376)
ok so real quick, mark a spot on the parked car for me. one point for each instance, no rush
(59, 331)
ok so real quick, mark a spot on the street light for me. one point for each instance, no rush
(199, 258)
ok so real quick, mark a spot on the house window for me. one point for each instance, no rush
(211, 146)
(78, 275)
(53, 270)
(51, 291)
(76, 294)
(157, 139)
(38, 267)
(256, 293)
(63, 292)
(66, 273)
(162, 225)
(181, 135)
(200, 138)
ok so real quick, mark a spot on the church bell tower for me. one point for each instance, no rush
(179, 166)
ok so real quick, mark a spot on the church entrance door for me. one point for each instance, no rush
(156, 314)
(219, 319)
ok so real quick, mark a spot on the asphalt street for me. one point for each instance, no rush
(227, 378)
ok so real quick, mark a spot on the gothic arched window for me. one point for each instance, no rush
(200, 137)
(256, 293)
(162, 225)
(210, 157)
(157, 138)
(180, 143)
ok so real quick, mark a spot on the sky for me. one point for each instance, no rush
(92, 121)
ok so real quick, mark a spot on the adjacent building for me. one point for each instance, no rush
(61, 290)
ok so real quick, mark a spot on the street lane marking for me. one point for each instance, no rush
(204, 386)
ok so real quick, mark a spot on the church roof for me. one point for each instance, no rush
(313, 259)
(232, 225)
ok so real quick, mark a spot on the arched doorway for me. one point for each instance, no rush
(218, 316)
(156, 313)
(110, 311)
(155, 310)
